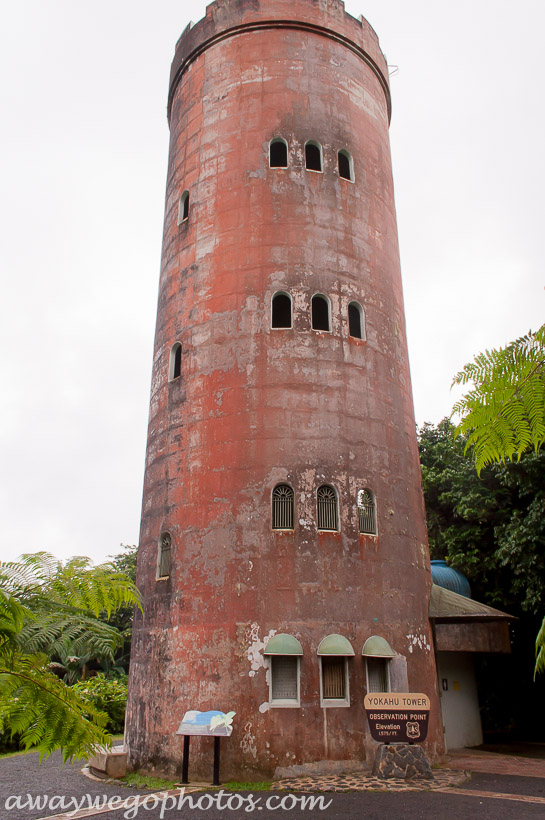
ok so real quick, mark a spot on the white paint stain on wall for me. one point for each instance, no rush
(247, 744)
(256, 647)
(418, 639)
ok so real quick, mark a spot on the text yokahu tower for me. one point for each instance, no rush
(283, 557)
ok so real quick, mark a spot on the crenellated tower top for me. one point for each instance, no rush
(237, 18)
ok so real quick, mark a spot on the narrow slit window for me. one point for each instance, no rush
(313, 156)
(281, 310)
(333, 678)
(367, 512)
(175, 362)
(320, 313)
(355, 321)
(346, 170)
(165, 543)
(282, 507)
(183, 207)
(327, 508)
(278, 153)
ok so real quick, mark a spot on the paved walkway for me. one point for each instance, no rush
(477, 760)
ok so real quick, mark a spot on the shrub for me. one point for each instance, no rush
(107, 695)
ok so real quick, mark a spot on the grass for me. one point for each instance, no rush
(18, 752)
(235, 786)
(142, 781)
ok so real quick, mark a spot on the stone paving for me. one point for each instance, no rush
(442, 779)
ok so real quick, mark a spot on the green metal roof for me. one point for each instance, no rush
(377, 647)
(335, 645)
(448, 605)
(282, 644)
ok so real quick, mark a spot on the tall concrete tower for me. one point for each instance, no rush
(283, 522)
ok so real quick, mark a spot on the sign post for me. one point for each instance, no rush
(204, 724)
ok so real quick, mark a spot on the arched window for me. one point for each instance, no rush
(282, 507)
(281, 310)
(278, 153)
(175, 362)
(346, 166)
(356, 322)
(163, 565)
(313, 156)
(320, 312)
(367, 512)
(326, 499)
(183, 207)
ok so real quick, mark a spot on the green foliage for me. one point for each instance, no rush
(107, 695)
(34, 704)
(47, 609)
(491, 527)
(503, 414)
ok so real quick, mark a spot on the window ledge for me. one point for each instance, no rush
(333, 703)
(284, 704)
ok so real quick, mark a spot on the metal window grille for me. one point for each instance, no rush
(327, 508)
(334, 678)
(284, 677)
(282, 507)
(164, 555)
(378, 679)
(367, 512)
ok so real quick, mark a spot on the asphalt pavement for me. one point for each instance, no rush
(486, 795)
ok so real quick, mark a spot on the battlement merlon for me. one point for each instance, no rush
(231, 18)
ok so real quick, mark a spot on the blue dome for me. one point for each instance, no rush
(450, 578)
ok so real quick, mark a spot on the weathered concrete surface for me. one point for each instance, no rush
(255, 406)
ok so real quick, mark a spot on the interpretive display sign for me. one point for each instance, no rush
(211, 724)
(398, 717)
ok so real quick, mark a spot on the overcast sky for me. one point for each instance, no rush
(85, 141)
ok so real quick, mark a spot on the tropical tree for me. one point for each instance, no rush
(46, 607)
(503, 414)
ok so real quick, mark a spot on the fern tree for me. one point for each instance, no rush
(46, 607)
(503, 413)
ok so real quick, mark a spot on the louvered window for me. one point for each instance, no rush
(164, 555)
(333, 678)
(378, 678)
(367, 512)
(282, 507)
(285, 678)
(327, 508)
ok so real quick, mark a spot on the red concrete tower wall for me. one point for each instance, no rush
(256, 406)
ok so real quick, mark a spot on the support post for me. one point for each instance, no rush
(216, 778)
(185, 761)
